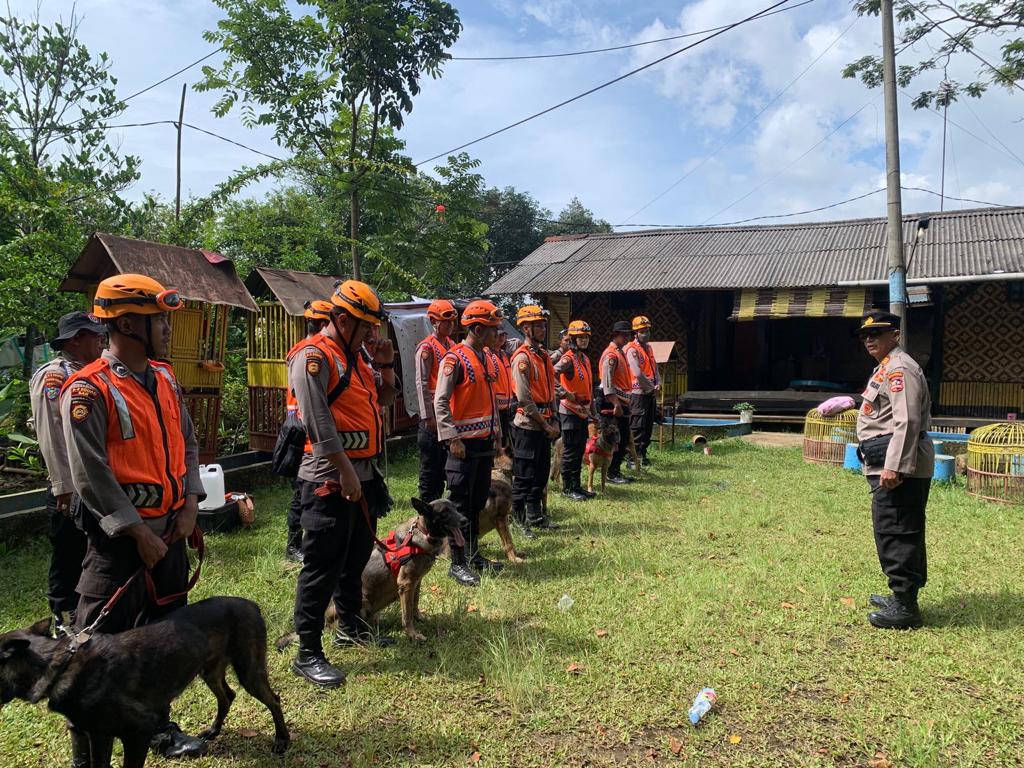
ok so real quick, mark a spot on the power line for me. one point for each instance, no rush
(742, 128)
(615, 47)
(602, 85)
(186, 68)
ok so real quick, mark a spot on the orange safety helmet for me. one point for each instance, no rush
(640, 322)
(441, 309)
(531, 313)
(317, 310)
(482, 312)
(579, 328)
(133, 295)
(359, 300)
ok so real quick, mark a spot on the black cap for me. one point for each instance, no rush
(73, 322)
(622, 326)
(879, 320)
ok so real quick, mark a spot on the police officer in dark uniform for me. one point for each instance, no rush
(899, 460)
(79, 341)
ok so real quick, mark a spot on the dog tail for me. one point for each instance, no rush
(285, 640)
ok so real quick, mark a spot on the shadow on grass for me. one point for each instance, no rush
(988, 610)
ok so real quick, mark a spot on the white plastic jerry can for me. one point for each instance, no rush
(213, 485)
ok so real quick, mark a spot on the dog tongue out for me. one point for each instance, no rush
(460, 540)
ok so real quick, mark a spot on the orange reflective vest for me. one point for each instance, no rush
(290, 404)
(647, 366)
(503, 391)
(541, 375)
(621, 379)
(356, 410)
(580, 381)
(473, 405)
(145, 443)
(436, 346)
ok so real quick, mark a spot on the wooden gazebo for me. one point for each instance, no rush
(211, 288)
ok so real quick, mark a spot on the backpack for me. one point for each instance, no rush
(291, 437)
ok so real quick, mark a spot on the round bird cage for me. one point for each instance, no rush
(995, 462)
(825, 437)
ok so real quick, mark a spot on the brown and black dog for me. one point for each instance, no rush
(121, 686)
(428, 531)
(602, 442)
(495, 514)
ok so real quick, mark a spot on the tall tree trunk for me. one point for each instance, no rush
(354, 233)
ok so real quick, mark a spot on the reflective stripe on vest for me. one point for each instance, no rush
(474, 410)
(620, 376)
(580, 381)
(440, 350)
(146, 449)
(503, 386)
(356, 410)
(542, 382)
(647, 366)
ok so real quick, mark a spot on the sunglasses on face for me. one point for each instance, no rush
(871, 334)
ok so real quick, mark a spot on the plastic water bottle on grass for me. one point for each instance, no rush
(565, 603)
(703, 704)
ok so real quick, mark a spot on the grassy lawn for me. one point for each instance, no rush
(747, 571)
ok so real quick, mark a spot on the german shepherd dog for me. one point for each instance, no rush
(121, 686)
(602, 443)
(495, 514)
(429, 530)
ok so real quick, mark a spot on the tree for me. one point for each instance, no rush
(576, 219)
(318, 78)
(516, 228)
(59, 176)
(962, 27)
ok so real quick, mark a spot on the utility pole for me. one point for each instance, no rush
(894, 230)
(177, 191)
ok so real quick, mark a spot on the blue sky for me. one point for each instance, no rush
(620, 148)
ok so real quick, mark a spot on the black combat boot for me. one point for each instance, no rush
(460, 570)
(293, 549)
(619, 479)
(570, 488)
(519, 516)
(172, 743)
(536, 518)
(480, 563)
(900, 613)
(311, 664)
(880, 601)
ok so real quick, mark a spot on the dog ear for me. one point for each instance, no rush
(12, 647)
(421, 506)
(42, 627)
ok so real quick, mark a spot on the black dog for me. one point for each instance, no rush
(121, 686)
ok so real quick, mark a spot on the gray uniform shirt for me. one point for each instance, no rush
(521, 387)
(896, 401)
(446, 383)
(44, 392)
(309, 377)
(607, 374)
(426, 364)
(86, 439)
(636, 370)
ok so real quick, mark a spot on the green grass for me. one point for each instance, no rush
(726, 571)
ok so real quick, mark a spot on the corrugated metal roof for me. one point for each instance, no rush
(290, 287)
(957, 243)
(198, 275)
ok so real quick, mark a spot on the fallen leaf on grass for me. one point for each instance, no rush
(801, 590)
(734, 739)
(734, 652)
(435, 590)
(849, 602)
(601, 633)
(471, 608)
(675, 745)
(844, 699)
(788, 606)
(248, 733)
(880, 760)
(574, 669)
(476, 757)
(651, 754)
(601, 730)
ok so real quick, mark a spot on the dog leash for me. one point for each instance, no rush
(195, 540)
(330, 487)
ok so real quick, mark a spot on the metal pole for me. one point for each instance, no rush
(177, 190)
(894, 230)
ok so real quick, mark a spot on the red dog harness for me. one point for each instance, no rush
(593, 449)
(397, 554)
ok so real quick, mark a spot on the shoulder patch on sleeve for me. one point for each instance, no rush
(449, 367)
(523, 366)
(83, 395)
(425, 354)
(52, 382)
(896, 382)
(314, 361)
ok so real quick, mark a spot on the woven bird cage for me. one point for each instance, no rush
(995, 462)
(825, 437)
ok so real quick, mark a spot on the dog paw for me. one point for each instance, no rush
(281, 745)
(210, 734)
(518, 560)
(416, 636)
